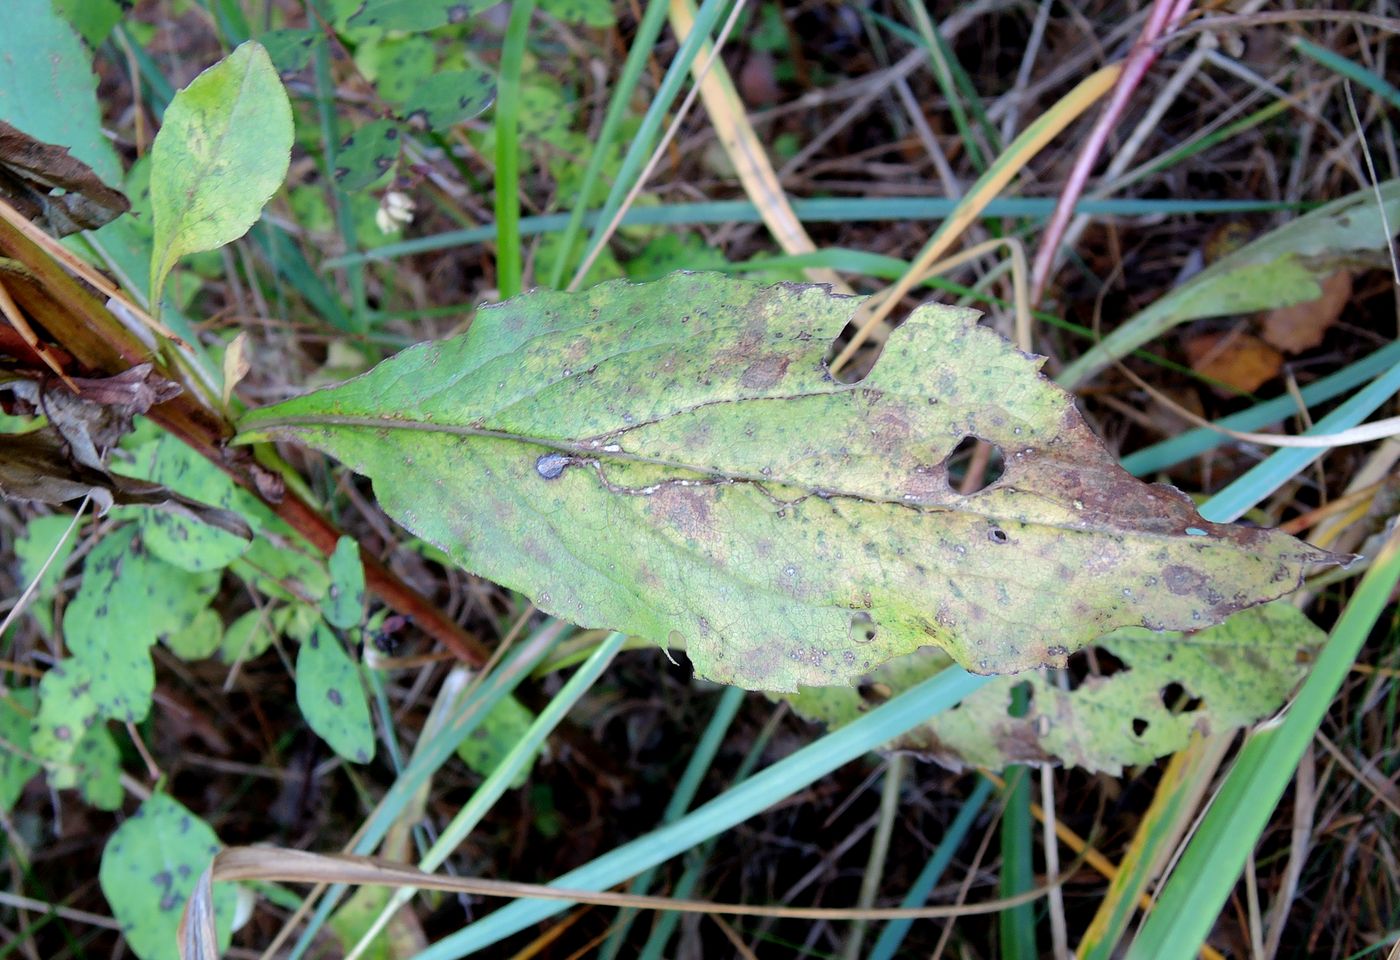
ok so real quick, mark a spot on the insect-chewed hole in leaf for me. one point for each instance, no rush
(1139, 726)
(1176, 700)
(1022, 699)
(862, 628)
(1091, 662)
(974, 465)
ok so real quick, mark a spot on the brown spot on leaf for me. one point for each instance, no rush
(765, 371)
(1182, 580)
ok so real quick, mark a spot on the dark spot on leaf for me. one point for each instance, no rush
(333, 695)
(997, 535)
(62, 732)
(550, 465)
(1182, 580)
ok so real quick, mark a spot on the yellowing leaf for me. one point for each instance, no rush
(221, 154)
(674, 460)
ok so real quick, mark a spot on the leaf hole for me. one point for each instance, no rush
(862, 628)
(1178, 701)
(1022, 699)
(974, 465)
(1140, 726)
(1091, 662)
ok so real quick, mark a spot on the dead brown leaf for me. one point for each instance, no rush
(1303, 325)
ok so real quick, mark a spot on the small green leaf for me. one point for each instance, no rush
(247, 637)
(94, 19)
(450, 97)
(500, 730)
(332, 698)
(368, 154)
(282, 567)
(200, 639)
(180, 537)
(290, 50)
(1168, 686)
(592, 13)
(221, 154)
(17, 710)
(66, 712)
(128, 600)
(41, 538)
(99, 773)
(149, 869)
(414, 15)
(344, 603)
(673, 460)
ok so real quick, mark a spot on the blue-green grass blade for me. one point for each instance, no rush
(642, 43)
(892, 936)
(754, 795)
(700, 762)
(1192, 443)
(1352, 71)
(1193, 896)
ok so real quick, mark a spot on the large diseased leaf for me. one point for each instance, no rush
(1167, 686)
(221, 154)
(674, 460)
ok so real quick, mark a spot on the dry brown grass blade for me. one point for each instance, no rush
(750, 160)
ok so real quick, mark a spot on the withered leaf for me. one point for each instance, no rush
(30, 173)
(674, 460)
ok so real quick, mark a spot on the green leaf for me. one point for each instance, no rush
(200, 639)
(150, 867)
(368, 154)
(99, 773)
(282, 567)
(1169, 686)
(47, 87)
(221, 154)
(332, 698)
(17, 708)
(501, 729)
(93, 19)
(414, 15)
(673, 460)
(247, 637)
(66, 712)
(450, 97)
(290, 49)
(344, 603)
(1281, 268)
(41, 538)
(180, 537)
(128, 600)
(592, 13)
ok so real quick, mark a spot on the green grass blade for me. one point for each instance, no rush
(1346, 68)
(1017, 924)
(340, 200)
(892, 936)
(736, 805)
(650, 129)
(700, 761)
(816, 210)
(1192, 443)
(510, 258)
(642, 43)
(1211, 866)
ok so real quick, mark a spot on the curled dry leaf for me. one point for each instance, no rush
(674, 460)
(30, 172)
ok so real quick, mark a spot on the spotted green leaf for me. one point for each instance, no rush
(17, 765)
(98, 769)
(332, 698)
(344, 603)
(200, 638)
(500, 730)
(44, 537)
(247, 637)
(220, 155)
(1152, 691)
(128, 600)
(413, 15)
(368, 154)
(289, 49)
(592, 13)
(180, 537)
(450, 97)
(66, 712)
(149, 868)
(674, 460)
